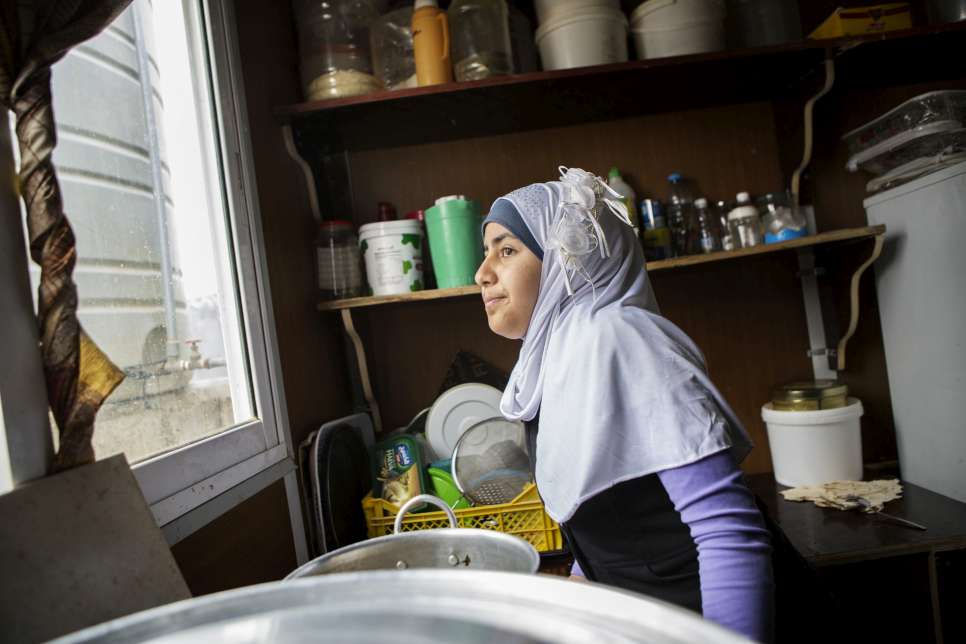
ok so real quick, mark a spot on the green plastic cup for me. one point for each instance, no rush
(455, 240)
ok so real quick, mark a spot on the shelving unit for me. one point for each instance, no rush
(835, 237)
(410, 146)
(564, 97)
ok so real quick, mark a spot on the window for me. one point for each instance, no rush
(156, 183)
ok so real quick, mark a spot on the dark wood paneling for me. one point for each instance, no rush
(725, 149)
(251, 544)
(410, 347)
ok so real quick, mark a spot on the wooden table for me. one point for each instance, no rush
(911, 584)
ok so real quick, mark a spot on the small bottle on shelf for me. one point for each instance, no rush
(727, 241)
(679, 208)
(657, 236)
(703, 235)
(616, 181)
(386, 211)
(744, 222)
(431, 44)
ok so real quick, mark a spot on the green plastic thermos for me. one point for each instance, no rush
(455, 240)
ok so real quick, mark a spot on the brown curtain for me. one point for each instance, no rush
(34, 34)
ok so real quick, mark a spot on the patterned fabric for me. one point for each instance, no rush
(34, 34)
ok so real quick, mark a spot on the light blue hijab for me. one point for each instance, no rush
(621, 391)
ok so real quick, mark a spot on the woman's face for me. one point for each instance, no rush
(510, 279)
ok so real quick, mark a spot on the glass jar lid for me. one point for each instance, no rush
(824, 392)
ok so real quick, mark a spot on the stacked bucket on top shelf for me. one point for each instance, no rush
(578, 33)
(678, 27)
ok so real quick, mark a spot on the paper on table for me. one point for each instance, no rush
(834, 493)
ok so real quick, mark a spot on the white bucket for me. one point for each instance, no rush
(594, 37)
(678, 27)
(393, 253)
(814, 447)
(555, 9)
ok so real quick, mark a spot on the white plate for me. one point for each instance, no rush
(457, 410)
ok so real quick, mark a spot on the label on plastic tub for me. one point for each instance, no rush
(394, 263)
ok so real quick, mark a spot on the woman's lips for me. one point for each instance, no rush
(490, 302)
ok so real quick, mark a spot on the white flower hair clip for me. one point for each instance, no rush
(577, 232)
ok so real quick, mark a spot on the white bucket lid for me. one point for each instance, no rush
(592, 13)
(443, 200)
(715, 9)
(400, 227)
(813, 416)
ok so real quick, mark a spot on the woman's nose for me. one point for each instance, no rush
(484, 274)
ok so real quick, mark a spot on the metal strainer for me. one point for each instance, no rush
(490, 462)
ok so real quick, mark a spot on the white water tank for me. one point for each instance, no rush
(129, 285)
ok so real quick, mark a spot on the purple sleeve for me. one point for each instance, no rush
(734, 548)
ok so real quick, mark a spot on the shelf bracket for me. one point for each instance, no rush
(307, 173)
(360, 352)
(818, 352)
(854, 299)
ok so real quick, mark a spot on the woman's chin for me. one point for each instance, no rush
(508, 331)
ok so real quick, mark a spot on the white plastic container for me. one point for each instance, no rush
(393, 254)
(555, 9)
(814, 447)
(678, 27)
(592, 37)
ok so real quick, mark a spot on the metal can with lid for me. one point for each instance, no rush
(810, 395)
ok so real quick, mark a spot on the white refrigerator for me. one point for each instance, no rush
(921, 285)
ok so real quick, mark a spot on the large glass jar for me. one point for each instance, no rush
(391, 37)
(334, 47)
(339, 265)
(481, 39)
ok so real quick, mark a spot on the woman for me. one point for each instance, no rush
(636, 452)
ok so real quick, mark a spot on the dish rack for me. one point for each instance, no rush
(524, 517)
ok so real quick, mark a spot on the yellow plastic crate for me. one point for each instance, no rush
(524, 517)
(865, 20)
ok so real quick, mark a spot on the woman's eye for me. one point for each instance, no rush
(506, 251)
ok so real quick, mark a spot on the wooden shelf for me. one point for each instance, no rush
(607, 92)
(837, 236)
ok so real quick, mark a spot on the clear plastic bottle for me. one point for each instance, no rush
(744, 222)
(679, 207)
(481, 39)
(703, 234)
(657, 237)
(723, 208)
(616, 181)
(780, 221)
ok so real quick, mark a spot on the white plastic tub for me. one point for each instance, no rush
(393, 254)
(678, 27)
(594, 37)
(555, 9)
(814, 447)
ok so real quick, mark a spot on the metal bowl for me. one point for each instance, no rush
(415, 606)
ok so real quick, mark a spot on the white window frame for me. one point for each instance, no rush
(190, 486)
